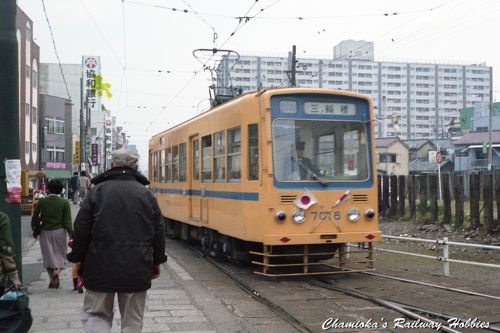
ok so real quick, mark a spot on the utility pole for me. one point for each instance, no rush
(293, 82)
(9, 113)
(83, 128)
(490, 107)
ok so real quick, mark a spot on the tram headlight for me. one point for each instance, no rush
(353, 214)
(298, 216)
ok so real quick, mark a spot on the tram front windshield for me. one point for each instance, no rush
(320, 150)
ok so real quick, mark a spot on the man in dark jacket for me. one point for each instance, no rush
(73, 188)
(119, 239)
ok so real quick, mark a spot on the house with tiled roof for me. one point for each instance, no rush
(471, 151)
(419, 149)
(392, 156)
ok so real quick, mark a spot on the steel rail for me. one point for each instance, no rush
(398, 307)
(282, 313)
(433, 285)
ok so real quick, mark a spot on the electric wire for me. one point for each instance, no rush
(300, 18)
(101, 33)
(125, 51)
(55, 49)
(199, 16)
(238, 26)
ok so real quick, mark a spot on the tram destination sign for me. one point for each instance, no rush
(336, 109)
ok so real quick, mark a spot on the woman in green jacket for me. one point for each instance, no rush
(54, 214)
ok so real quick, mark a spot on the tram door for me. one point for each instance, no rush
(195, 180)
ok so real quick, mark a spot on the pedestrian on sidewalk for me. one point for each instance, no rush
(8, 270)
(83, 186)
(51, 223)
(73, 188)
(119, 239)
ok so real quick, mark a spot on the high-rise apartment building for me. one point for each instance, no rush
(424, 96)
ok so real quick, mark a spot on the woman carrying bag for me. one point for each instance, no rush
(15, 315)
(52, 222)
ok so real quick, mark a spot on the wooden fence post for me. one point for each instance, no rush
(497, 195)
(385, 194)
(393, 212)
(423, 194)
(433, 184)
(380, 201)
(488, 201)
(446, 198)
(412, 197)
(402, 196)
(459, 200)
(474, 200)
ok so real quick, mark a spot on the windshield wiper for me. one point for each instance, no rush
(315, 175)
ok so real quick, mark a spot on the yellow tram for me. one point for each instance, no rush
(284, 178)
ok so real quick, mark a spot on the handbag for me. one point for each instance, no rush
(15, 314)
(37, 226)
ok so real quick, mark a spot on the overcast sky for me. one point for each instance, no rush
(146, 46)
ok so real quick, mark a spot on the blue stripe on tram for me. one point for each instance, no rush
(246, 196)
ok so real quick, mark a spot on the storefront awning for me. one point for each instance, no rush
(57, 173)
(36, 173)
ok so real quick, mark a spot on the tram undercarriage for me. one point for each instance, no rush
(279, 260)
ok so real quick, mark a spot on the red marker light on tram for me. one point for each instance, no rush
(305, 200)
(370, 237)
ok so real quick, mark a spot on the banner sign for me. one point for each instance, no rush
(91, 68)
(54, 165)
(13, 180)
(77, 152)
(108, 133)
(94, 154)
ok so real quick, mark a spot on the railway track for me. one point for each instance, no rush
(421, 317)
(399, 316)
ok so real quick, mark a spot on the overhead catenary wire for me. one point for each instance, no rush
(124, 51)
(55, 49)
(300, 18)
(199, 16)
(101, 33)
(238, 27)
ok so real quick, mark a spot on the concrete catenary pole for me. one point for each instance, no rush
(9, 114)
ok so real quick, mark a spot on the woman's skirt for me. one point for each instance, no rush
(53, 244)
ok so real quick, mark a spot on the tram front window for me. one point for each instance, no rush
(320, 150)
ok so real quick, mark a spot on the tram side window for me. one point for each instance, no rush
(168, 165)
(234, 153)
(182, 162)
(253, 152)
(155, 170)
(196, 160)
(153, 165)
(162, 165)
(219, 157)
(175, 164)
(150, 165)
(206, 158)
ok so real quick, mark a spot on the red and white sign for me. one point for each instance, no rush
(439, 157)
(13, 180)
(91, 67)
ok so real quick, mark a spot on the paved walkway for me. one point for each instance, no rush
(170, 305)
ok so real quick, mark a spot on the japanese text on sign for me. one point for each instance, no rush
(336, 109)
